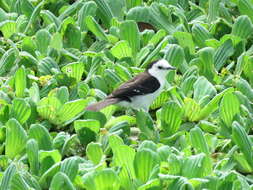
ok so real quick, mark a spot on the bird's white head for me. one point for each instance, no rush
(160, 68)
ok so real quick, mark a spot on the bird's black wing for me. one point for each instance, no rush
(142, 84)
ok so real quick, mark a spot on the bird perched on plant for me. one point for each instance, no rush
(139, 92)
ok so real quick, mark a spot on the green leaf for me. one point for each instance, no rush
(222, 54)
(70, 167)
(89, 9)
(191, 109)
(203, 89)
(206, 67)
(242, 27)
(32, 151)
(145, 124)
(213, 10)
(16, 138)
(171, 118)
(129, 32)
(7, 176)
(20, 110)
(8, 28)
(200, 35)
(48, 107)
(121, 50)
(43, 38)
(94, 152)
(133, 3)
(41, 135)
(242, 140)
(20, 82)
(71, 109)
(212, 105)
(105, 11)
(229, 107)
(18, 183)
(72, 37)
(245, 8)
(74, 70)
(106, 179)
(123, 156)
(185, 40)
(175, 55)
(61, 181)
(144, 162)
(7, 61)
(197, 166)
(56, 41)
(198, 140)
(159, 19)
(95, 28)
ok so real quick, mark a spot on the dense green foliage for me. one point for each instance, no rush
(58, 56)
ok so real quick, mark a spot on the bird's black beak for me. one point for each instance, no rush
(171, 68)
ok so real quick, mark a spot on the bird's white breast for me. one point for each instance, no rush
(142, 101)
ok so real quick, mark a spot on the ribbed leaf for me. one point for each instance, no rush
(94, 152)
(121, 50)
(133, 3)
(200, 35)
(89, 8)
(105, 11)
(41, 135)
(16, 138)
(129, 32)
(61, 181)
(206, 66)
(212, 105)
(32, 151)
(7, 176)
(47, 66)
(56, 41)
(46, 178)
(144, 162)
(123, 156)
(18, 183)
(94, 27)
(70, 167)
(171, 117)
(197, 166)
(203, 89)
(213, 10)
(159, 19)
(242, 140)
(191, 109)
(43, 38)
(185, 40)
(145, 124)
(71, 109)
(48, 107)
(198, 140)
(20, 82)
(222, 54)
(242, 27)
(8, 28)
(74, 70)
(20, 110)
(106, 179)
(7, 60)
(246, 8)
(174, 54)
(230, 106)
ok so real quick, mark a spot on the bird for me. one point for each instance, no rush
(140, 91)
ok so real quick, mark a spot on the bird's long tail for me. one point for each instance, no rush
(101, 104)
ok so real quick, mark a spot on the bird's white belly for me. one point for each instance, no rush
(141, 101)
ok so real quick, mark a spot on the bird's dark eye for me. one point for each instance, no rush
(160, 67)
